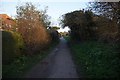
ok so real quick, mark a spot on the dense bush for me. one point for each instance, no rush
(37, 40)
(97, 60)
(12, 46)
(31, 24)
(54, 35)
(108, 22)
(81, 24)
(100, 22)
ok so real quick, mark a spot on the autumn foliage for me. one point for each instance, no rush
(31, 25)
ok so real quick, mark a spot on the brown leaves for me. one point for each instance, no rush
(32, 28)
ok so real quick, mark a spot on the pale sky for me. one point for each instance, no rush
(55, 8)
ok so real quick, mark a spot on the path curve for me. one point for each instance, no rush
(58, 64)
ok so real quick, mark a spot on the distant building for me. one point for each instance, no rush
(6, 22)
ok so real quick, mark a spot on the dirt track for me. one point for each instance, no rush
(58, 64)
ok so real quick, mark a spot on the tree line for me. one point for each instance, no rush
(101, 21)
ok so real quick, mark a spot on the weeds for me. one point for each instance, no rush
(97, 60)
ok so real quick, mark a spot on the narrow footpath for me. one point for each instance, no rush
(58, 64)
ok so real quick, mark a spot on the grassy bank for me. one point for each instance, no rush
(23, 63)
(96, 60)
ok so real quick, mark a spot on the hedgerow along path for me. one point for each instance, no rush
(58, 64)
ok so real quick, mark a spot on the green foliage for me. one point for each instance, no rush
(45, 17)
(12, 46)
(97, 60)
(110, 25)
(22, 64)
(81, 24)
(54, 35)
(87, 25)
(54, 28)
(107, 9)
(19, 42)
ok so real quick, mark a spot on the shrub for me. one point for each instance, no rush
(12, 45)
(54, 35)
(96, 60)
(31, 25)
(36, 39)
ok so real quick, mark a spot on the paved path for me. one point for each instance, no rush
(58, 64)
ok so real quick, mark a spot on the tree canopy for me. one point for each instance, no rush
(80, 22)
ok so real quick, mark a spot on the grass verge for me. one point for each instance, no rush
(96, 60)
(19, 66)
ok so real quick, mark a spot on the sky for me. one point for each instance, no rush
(55, 8)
